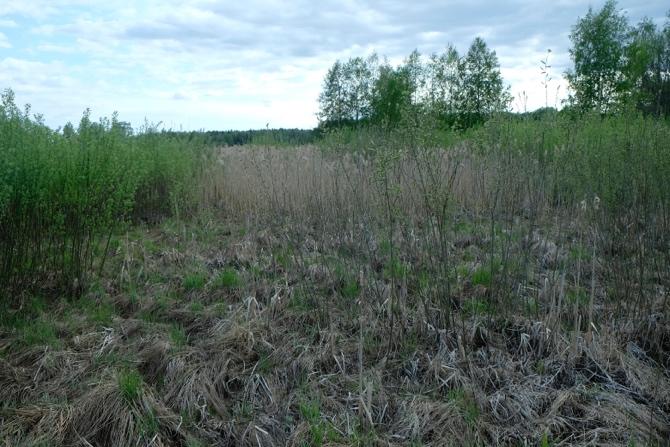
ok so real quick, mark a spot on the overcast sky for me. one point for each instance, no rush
(213, 64)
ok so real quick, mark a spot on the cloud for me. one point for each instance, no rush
(32, 75)
(49, 48)
(6, 23)
(216, 64)
(4, 41)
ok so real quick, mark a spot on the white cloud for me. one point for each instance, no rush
(4, 41)
(49, 48)
(221, 64)
(6, 23)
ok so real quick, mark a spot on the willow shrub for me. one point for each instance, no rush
(623, 160)
(62, 194)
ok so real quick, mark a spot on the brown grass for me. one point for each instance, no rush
(363, 314)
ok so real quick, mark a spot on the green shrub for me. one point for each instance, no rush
(63, 193)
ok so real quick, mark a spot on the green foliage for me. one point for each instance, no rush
(274, 137)
(31, 309)
(579, 253)
(647, 64)
(265, 363)
(130, 385)
(616, 65)
(482, 91)
(350, 289)
(62, 194)
(31, 323)
(228, 279)
(310, 411)
(149, 424)
(196, 307)
(466, 404)
(578, 296)
(178, 336)
(243, 410)
(392, 96)
(301, 301)
(112, 358)
(442, 81)
(194, 281)
(320, 430)
(283, 257)
(100, 312)
(482, 276)
(395, 269)
(347, 91)
(544, 442)
(476, 307)
(459, 91)
(617, 163)
(220, 310)
(193, 442)
(598, 41)
(39, 332)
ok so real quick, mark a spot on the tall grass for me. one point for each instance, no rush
(603, 182)
(528, 190)
(62, 194)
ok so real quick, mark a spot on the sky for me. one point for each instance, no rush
(214, 64)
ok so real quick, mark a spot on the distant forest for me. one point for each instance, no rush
(290, 137)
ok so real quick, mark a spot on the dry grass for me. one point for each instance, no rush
(355, 312)
(308, 181)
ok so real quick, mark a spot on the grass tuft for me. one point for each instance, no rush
(227, 279)
(130, 385)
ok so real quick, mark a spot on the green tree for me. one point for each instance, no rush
(598, 48)
(414, 72)
(466, 89)
(443, 82)
(481, 90)
(347, 92)
(332, 100)
(647, 67)
(358, 83)
(392, 95)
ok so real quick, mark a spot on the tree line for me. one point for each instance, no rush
(293, 137)
(461, 90)
(616, 66)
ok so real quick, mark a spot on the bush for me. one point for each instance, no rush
(63, 193)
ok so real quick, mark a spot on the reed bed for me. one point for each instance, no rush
(506, 286)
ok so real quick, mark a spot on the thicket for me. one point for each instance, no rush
(63, 193)
(623, 159)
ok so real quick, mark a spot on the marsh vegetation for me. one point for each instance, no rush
(417, 276)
